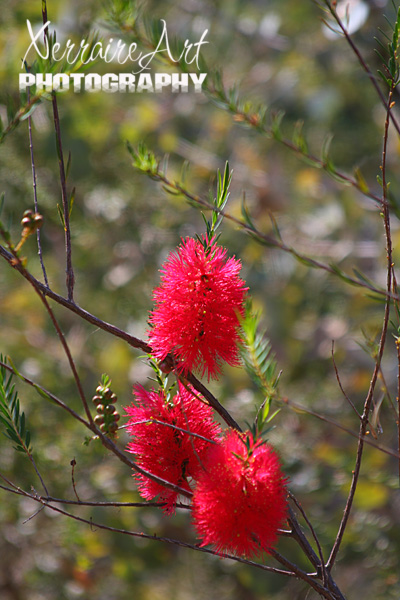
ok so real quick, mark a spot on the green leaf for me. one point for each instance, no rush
(72, 200)
(276, 120)
(257, 355)
(11, 415)
(68, 166)
(362, 184)
(61, 215)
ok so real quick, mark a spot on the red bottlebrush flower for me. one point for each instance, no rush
(197, 307)
(166, 451)
(240, 499)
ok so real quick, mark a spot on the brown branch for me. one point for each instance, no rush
(17, 490)
(362, 62)
(269, 240)
(107, 442)
(35, 200)
(369, 398)
(301, 408)
(66, 210)
(115, 331)
(325, 575)
(340, 383)
(308, 578)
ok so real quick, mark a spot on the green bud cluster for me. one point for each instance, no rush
(107, 417)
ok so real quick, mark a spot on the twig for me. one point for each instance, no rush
(41, 390)
(73, 463)
(362, 62)
(387, 393)
(33, 516)
(368, 400)
(112, 504)
(300, 574)
(256, 123)
(398, 401)
(212, 401)
(311, 528)
(340, 383)
(269, 240)
(301, 408)
(113, 330)
(107, 442)
(152, 420)
(21, 114)
(35, 200)
(66, 210)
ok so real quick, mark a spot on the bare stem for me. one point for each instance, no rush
(362, 62)
(35, 200)
(269, 240)
(299, 407)
(369, 398)
(113, 330)
(70, 281)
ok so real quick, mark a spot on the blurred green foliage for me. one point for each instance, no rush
(123, 226)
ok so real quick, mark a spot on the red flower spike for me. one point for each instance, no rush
(240, 499)
(164, 451)
(197, 308)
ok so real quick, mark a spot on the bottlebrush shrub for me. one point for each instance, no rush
(240, 499)
(165, 451)
(196, 317)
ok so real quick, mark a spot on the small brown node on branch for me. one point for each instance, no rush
(165, 366)
(238, 118)
(392, 104)
(254, 119)
(30, 222)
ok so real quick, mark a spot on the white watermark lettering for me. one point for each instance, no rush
(113, 82)
(138, 80)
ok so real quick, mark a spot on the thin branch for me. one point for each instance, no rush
(152, 420)
(301, 408)
(112, 504)
(35, 200)
(269, 240)
(300, 574)
(73, 463)
(22, 111)
(66, 209)
(311, 528)
(211, 400)
(115, 331)
(387, 392)
(398, 401)
(45, 393)
(107, 442)
(368, 400)
(254, 121)
(362, 62)
(15, 489)
(340, 383)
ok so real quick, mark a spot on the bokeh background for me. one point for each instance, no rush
(123, 227)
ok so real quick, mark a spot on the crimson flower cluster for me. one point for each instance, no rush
(239, 490)
(197, 308)
(170, 440)
(240, 498)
